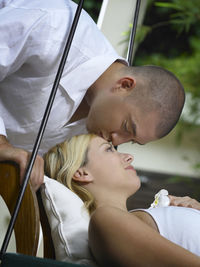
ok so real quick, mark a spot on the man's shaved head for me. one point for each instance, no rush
(157, 90)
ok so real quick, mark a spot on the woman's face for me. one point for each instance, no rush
(111, 169)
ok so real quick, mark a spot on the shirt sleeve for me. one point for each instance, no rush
(2, 127)
(21, 44)
(21, 38)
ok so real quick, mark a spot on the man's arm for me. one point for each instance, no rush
(19, 35)
(20, 156)
(120, 239)
(186, 201)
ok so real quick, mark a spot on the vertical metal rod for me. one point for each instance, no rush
(42, 128)
(132, 36)
(133, 31)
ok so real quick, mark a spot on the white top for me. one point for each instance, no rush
(179, 225)
(32, 35)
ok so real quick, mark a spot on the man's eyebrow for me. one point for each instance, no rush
(133, 127)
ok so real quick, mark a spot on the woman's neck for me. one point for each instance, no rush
(119, 203)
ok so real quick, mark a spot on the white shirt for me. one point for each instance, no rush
(32, 38)
(179, 225)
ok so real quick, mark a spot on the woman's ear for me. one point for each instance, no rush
(82, 175)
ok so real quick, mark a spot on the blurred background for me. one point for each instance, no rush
(168, 35)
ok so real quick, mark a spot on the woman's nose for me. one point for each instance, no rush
(127, 157)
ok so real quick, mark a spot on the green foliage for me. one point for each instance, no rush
(173, 42)
(186, 66)
(92, 7)
(181, 55)
(141, 32)
(187, 13)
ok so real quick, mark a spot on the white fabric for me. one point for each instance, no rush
(2, 127)
(179, 225)
(69, 220)
(31, 44)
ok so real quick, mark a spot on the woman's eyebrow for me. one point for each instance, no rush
(105, 143)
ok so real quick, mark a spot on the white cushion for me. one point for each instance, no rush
(69, 220)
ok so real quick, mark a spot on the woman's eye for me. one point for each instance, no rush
(110, 148)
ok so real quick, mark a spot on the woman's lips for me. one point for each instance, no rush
(130, 168)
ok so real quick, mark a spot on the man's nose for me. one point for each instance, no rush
(118, 139)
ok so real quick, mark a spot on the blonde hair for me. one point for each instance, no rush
(63, 160)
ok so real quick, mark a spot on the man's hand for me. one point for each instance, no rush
(186, 201)
(20, 156)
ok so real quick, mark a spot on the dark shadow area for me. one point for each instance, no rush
(151, 183)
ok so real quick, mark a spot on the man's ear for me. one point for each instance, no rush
(125, 85)
(82, 175)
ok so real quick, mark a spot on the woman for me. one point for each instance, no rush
(104, 179)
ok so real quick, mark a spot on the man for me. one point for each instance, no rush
(98, 92)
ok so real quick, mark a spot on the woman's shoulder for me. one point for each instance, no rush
(109, 227)
(106, 212)
(108, 217)
(146, 217)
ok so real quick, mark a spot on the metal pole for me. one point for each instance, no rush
(42, 128)
(132, 35)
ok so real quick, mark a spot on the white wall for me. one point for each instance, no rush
(114, 19)
(4, 221)
(165, 156)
